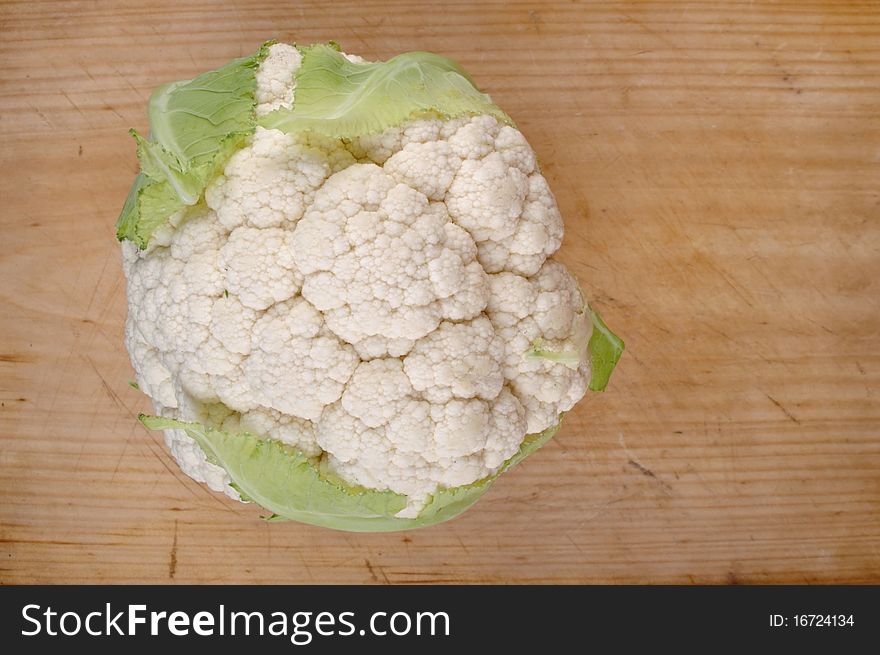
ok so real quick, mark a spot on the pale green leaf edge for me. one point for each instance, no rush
(342, 99)
(176, 167)
(307, 496)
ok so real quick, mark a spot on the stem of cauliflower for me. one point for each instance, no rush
(568, 358)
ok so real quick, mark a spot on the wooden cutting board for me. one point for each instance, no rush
(717, 164)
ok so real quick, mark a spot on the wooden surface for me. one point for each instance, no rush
(717, 164)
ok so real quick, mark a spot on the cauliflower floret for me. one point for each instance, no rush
(195, 464)
(295, 365)
(507, 427)
(275, 85)
(259, 266)
(270, 183)
(292, 430)
(473, 138)
(515, 150)
(382, 434)
(461, 360)
(498, 195)
(377, 148)
(374, 390)
(378, 259)
(232, 324)
(487, 197)
(546, 309)
(200, 232)
(537, 235)
(166, 314)
(429, 167)
(190, 457)
(153, 377)
(379, 346)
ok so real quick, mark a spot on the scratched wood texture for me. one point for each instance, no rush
(717, 166)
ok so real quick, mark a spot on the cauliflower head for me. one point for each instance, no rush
(342, 299)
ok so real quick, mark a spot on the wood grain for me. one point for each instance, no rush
(717, 166)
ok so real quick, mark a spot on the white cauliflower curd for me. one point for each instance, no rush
(341, 293)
